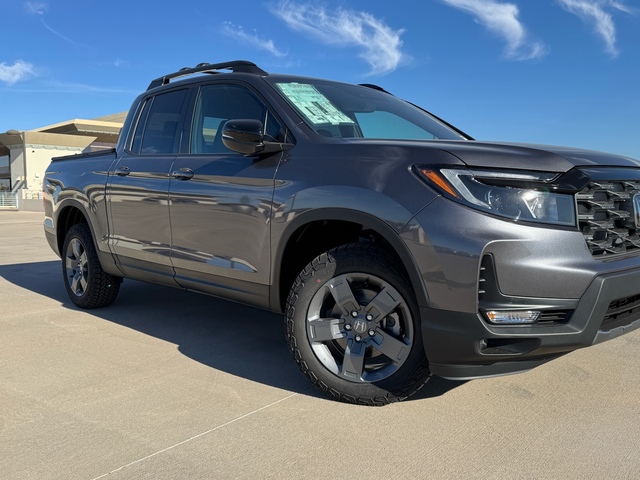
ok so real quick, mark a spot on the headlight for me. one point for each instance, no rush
(524, 196)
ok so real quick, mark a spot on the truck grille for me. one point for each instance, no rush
(606, 216)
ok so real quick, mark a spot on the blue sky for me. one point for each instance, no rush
(563, 72)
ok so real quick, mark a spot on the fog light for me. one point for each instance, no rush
(517, 317)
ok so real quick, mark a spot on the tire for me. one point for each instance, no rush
(353, 328)
(87, 284)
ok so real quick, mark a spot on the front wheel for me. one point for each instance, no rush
(87, 284)
(353, 328)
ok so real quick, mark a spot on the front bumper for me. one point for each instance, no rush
(532, 267)
(464, 346)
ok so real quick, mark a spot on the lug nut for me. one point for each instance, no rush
(358, 338)
(347, 326)
(354, 314)
(369, 317)
(372, 333)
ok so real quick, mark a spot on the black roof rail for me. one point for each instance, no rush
(241, 66)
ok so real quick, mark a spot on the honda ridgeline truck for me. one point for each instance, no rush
(395, 245)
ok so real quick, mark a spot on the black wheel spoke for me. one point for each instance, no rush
(78, 283)
(325, 329)
(70, 264)
(77, 249)
(82, 261)
(383, 304)
(343, 295)
(353, 364)
(390, 346)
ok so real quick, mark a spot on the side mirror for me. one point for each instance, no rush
(245, 136)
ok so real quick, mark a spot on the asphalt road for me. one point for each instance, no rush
(167, 384)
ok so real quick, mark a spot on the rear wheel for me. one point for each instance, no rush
(87, 284)
(353, 328)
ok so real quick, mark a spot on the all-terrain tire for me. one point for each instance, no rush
(87, 284)
(352, 325)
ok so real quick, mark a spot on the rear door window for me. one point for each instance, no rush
(159, 126)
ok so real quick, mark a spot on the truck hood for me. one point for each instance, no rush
(532, 157)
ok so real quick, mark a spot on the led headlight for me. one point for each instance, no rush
(517, 195)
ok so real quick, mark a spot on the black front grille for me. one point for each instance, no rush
(606, 216)
(621, 312)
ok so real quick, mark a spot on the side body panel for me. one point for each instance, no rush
(220, 219)
(138, 205)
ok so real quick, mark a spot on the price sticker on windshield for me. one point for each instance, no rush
(312, 104)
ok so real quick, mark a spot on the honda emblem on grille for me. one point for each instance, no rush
(636, 208)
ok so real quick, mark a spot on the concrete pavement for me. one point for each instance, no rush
(167, 384)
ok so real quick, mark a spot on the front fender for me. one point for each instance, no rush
(371, 209)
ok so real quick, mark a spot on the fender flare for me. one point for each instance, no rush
(368, 222)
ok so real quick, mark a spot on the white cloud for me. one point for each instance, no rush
(595, 12)
(502, 19)
(58, 34)
(20, 70)
(39, 9)
(252, 39)
(622, 7)
(36, 8)
(379, 44)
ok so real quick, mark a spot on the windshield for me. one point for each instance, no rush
(351, 111)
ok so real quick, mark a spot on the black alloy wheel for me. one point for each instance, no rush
(353, 328)
(87, 284)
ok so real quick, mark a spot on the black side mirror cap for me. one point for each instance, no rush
(245, 136)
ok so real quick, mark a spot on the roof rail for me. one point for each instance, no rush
(235, 66)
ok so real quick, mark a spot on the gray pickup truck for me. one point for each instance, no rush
(395, 245)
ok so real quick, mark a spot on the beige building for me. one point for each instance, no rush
(25, 155)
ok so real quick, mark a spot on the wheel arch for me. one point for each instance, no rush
(319, 230)
(73, 212)
(69, 215)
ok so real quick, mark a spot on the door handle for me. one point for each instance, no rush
(182, 174)
(122, 171)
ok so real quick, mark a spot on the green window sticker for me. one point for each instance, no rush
(312, 104)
